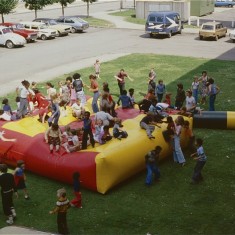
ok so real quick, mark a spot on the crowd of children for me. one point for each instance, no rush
(156, 104)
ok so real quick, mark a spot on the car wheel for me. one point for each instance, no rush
(216, 38)
(9, 44)
(233, 40)
(60, 34)
(230, 5)
(43, 37)
(151, 35)
(201, 37)
(169, 34)
(73, 30)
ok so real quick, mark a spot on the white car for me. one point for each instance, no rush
(232, 35)
(52, 24)
(43, 31)
(10, 39)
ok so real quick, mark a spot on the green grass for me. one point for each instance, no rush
(95, 22)
(129, 16)
(171, 207)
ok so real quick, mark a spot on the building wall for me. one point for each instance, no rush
(201, 7)
(186, 8)
(143, 8)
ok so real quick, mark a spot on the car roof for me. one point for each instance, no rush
(211, 23)
(32, 22)
(163, 13)
(3, 27)
(43, 19)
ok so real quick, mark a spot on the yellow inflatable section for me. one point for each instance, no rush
(119, 160)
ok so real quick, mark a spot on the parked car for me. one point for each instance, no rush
(52, 24)
(232, 35)
(224, 3)
(43, 31)
(10, 39)
(77, 24)
(163, 22)
(29, 35)
(214, 30)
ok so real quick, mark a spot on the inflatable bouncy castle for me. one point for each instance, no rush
(101, 167)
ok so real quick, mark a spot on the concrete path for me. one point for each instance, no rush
(16, 230)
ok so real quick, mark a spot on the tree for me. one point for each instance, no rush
(6, 6)
(64, 3)
(37, 4)
(88, 5)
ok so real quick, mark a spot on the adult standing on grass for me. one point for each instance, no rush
(203, 79)
(180, 96)
(213, 90)
(7, 184)
(177, 151)
(121, 75)
(201, 161)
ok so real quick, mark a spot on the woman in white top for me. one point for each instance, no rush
(50, 90)
(177, 152)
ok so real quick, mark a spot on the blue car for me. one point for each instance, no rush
(163, 22)
(224, 3)
(77, 24)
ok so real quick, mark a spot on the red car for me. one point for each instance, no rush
(29, 35)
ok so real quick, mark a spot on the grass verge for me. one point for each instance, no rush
(95, 22)
(129, 16)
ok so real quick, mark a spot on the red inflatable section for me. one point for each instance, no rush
(58, 166)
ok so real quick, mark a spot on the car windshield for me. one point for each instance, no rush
(7, 30)
(18, 26)
(43, 26)
(157, 19)
(208, 27)
(79, 20)
(52, 22)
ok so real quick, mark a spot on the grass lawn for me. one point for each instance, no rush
(172, 206)
(129, 16)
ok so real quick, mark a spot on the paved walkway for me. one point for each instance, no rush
(15, 230)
